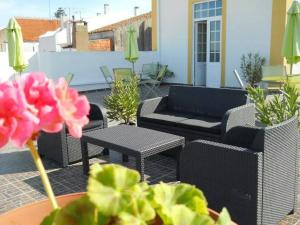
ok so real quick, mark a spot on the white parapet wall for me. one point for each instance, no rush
(84, 65)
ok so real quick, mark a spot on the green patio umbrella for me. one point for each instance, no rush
(291, 43)
(15, 46)
(131, 49)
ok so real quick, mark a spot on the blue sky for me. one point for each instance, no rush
(88, 8)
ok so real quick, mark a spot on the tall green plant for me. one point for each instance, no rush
(123, 101)
(115, 196)
(278, 108)
(251, 66)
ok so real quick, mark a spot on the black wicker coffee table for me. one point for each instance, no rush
(131, 141)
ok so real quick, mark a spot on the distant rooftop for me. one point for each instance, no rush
(122, 23)
(32, 28)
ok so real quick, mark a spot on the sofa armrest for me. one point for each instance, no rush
(239, 116)
(98, 112)
(152, 105)
(228, 176)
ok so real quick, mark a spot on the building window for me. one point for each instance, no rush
(215, 42)
(208, 9)
(202, 34)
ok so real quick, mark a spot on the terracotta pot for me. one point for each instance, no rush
(33, 214)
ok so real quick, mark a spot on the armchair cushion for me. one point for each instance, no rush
(93, 124)
(241, 136)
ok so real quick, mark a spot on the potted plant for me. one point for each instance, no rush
(278, 108)
(251, 66)
(115, 195)
(122, 103)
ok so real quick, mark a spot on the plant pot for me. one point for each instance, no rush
(34, 213)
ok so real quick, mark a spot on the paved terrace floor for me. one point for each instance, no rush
(20, 183)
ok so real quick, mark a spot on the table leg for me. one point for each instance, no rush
(178, 153)
(85, 157)
(125, 158)
(140, 166)
(105, 151)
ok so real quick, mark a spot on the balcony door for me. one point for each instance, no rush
(207, 43)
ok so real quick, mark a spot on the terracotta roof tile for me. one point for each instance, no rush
(122, 23)
(33, 28)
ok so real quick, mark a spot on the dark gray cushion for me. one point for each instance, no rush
(202, 101)
(167, 118)
(93, 124)
(187, 121)
(203, 124)
(241, 136)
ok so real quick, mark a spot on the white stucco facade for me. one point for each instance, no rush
(249, 26)
(248, 29)
(173, 37)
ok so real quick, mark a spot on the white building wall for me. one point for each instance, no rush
(84, 65)
(249, 25)
(31, 46)
(6, 71)
(173, 37)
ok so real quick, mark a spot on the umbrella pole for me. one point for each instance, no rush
(133, 67)
(291, 70)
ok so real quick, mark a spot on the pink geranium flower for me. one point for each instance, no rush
(16, 121)
(36, 103)
(39, 92)
(72, 107)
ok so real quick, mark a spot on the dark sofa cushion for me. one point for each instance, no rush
(187, 121)
(202, 101)
(166, 118)
(202, 124)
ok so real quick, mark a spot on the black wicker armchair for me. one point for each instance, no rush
(65, 149)
(256, 181)
(197, 112)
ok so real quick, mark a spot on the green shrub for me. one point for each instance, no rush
(123, 101)
(279, 108)
(115, 196)
(251, 66)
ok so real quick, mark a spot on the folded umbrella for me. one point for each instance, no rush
(15, 46)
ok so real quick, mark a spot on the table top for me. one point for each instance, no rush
(133, 140)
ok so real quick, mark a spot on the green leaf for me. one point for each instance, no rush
(78, 212)
(110, 189)
(51, 219)
(199, 205)
(224, 218)
(181, 215)
(166, 196)
(139, 213)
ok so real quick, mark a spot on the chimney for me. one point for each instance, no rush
(135, 10)
(106, 9)
(62, 21)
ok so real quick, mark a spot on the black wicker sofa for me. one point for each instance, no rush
(197, 112)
